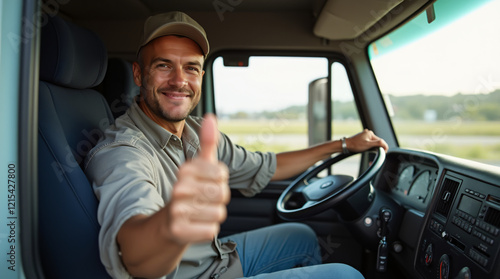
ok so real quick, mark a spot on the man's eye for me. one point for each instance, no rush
(193, 69)
(163, 66)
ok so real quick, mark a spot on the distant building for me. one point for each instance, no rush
(430, 115)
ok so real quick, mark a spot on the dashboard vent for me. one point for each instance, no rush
(492, 217)
(446, 196)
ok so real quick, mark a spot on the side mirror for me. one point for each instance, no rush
(316, 111)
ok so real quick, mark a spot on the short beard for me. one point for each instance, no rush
(154, 104)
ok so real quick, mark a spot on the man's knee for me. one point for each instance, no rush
(344, 271)
(303, 239)
(333, 270)
(301, 233)
(298, 229)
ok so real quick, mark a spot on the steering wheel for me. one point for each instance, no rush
(309, 195)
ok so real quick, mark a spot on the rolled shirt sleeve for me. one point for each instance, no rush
(249, 172)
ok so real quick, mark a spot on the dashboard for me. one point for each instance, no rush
(451, 222)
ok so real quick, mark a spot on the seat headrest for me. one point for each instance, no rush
(118, 86)
(71, 56)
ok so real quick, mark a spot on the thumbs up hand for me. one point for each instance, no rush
(199, 198)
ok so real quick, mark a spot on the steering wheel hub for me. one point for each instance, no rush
(326, 186)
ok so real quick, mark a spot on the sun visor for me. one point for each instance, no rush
(340, 19)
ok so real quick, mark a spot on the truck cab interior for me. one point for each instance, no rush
(280, 75)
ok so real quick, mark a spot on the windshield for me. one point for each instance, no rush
(441, 80)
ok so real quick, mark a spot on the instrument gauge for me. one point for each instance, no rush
(420, 186)
(405, 179)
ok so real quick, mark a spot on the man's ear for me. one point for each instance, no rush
(137, 74)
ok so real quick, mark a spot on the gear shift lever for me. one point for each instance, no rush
(385, 215)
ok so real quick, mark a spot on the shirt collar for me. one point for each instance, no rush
(149, 128)
(161, 136)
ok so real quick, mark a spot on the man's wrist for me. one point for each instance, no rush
(344, 146)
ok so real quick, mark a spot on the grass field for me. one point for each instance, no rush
(451, 128)
(487, 128)
(464, 139)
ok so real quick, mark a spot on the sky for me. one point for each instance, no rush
(268, 84)
(472, 59)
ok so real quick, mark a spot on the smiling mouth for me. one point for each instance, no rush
(177, 95)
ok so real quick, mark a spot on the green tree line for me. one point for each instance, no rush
(477, 107)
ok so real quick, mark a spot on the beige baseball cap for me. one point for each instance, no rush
(174, 23)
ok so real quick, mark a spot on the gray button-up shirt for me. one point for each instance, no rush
(133, 169)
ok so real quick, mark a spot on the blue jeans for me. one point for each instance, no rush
(273, 252)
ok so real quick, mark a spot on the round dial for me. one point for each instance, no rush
(404, 180)
(420, 186)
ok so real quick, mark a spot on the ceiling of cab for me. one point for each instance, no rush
(264, 24)
(138, 9)
(340, 20)
(335, 19)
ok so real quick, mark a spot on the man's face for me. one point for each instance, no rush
(170, 75)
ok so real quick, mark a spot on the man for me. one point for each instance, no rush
(162, 177)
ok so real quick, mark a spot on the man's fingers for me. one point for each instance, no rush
(209, 136)
(199, 211)
(383, 144)
(212, 190)
(196, 221)
(365, 140)
(185, 232)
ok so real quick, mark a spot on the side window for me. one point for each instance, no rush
(263, 106)
(346, 121)
(279, 103)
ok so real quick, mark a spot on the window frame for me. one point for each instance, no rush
(207, 102)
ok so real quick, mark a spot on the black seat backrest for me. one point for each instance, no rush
(71, 119)
(118, 86)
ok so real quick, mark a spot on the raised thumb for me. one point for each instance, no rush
(209, 135)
